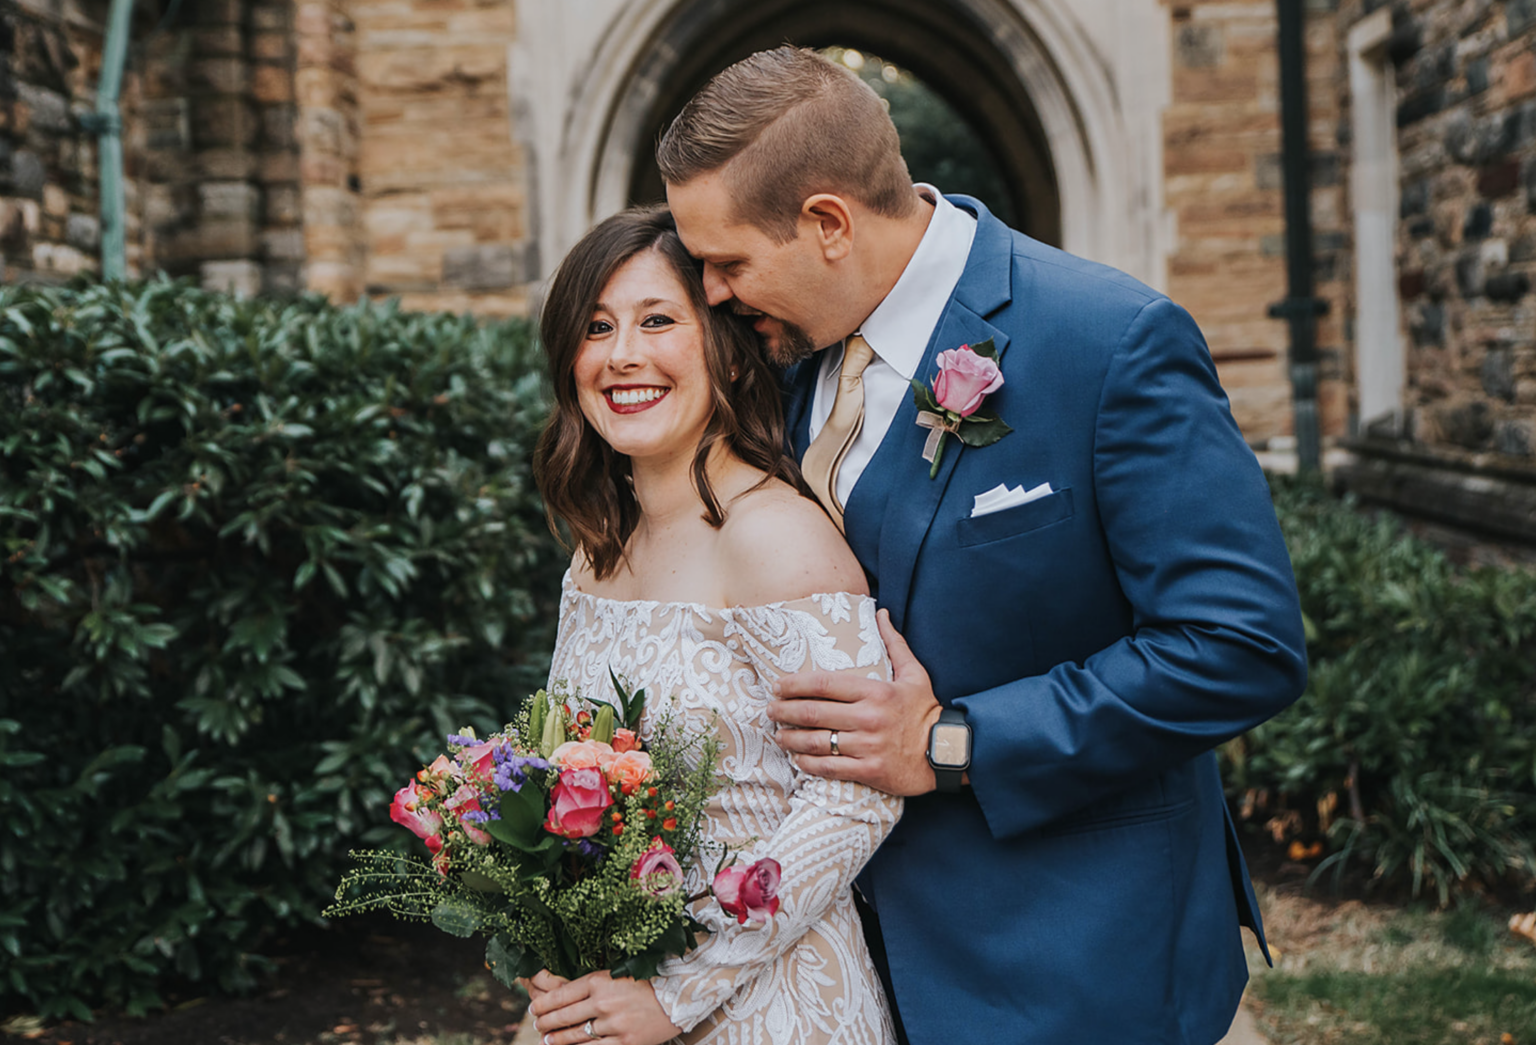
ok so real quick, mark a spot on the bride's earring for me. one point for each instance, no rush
(734, 372)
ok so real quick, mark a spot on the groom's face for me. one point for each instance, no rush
(778, 284)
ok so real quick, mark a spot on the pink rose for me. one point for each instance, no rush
(467, 800)
(480, 757)
(630, 770)
(625, 740)
(582, 754)
(577, 802)
(408, 811)
(750, 893)
(657, 872)
(965, 379)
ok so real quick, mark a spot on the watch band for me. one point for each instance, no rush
(948, 779)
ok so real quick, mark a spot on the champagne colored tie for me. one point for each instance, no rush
(825, 454)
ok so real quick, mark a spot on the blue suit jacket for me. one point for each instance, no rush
(1101, 641)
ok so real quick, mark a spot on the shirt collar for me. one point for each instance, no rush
(900, 327)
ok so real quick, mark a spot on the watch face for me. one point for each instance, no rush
(951, 745)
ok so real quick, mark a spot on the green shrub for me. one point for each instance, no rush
(1414, 746)
(257, 558)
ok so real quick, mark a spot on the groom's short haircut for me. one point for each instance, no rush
(784, 125)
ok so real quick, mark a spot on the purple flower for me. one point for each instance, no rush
(455, 740)
(511, 770)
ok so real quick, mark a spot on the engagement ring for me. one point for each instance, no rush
(588, 1028)
(832, 739)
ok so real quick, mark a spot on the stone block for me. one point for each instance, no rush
(1507, 287)
(61, 259)
(55, 201)
(1519, 15)
(233, 200)
(241, 278)
(83, 231)
(1515, 438)
(283, 244)
(28, 176)
(283, 205)
(222, 164)
(1198, 45)
(1468, 425)
(269, 17)
(486, 266)
(1479, 222)
(19, 221)
(278, 166)
(271, 84)
(218, 12)
(270, 46)
(1498, 180)
(225, 239)
(218, 75)
(166, 123)
(224, 121)
(218, 41)
(47, 111)
(1498, 374)
(277, 127)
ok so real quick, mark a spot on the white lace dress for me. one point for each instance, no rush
(805, 977)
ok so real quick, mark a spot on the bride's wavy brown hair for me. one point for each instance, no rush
(583, 481)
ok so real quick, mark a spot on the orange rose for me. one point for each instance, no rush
(630, 770)
(582, 754)
(625, 740)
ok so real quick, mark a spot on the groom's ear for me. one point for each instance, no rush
(830, 220)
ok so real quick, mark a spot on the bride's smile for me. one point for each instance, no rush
(641, 375)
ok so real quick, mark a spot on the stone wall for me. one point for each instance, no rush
(1466, 241)
(442, 183)
(1222, 145)
(50, 52)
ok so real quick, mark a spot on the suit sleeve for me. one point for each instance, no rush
(1216, 645)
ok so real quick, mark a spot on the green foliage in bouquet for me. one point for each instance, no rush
(1413, 749)
(605, 891)
(256, 558)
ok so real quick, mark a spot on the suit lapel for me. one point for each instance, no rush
(799, 390)
(984, 288)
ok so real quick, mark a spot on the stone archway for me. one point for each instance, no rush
(1038, 78)
(955, 57)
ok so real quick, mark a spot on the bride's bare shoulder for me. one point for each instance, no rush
(776, 546)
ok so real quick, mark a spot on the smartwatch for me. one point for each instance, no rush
(949, 749)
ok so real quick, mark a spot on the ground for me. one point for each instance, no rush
(371, 982)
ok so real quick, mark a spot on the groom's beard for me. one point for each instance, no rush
(787, 345)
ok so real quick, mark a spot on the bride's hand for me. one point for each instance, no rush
(541, 984)
(617, 1012)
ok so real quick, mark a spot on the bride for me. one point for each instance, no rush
(702, 572)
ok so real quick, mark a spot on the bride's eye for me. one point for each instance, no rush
(657, 320)
(598, 327)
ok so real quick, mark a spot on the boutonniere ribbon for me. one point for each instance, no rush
(967, 375)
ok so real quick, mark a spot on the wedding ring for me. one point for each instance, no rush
(588, 1028)
(832, 740)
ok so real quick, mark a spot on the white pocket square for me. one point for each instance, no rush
(1000, 497)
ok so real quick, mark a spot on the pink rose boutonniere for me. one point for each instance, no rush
(967, 375)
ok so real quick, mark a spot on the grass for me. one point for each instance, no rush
(1353, 974)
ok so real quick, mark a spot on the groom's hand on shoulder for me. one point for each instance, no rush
(882, 727)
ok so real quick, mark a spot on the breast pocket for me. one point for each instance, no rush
(1020, 519)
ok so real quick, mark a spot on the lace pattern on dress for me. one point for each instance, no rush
(804, 977)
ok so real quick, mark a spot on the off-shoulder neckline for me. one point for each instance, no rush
(568, 584)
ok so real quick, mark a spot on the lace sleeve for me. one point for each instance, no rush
(831, 830)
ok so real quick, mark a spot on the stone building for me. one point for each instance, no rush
(448, 152)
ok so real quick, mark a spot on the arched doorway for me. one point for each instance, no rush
(954, 57)
(593, 83)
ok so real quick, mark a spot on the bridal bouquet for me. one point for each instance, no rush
(563, 839)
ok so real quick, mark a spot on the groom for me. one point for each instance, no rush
(1100, 597)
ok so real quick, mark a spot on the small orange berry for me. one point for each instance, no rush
(669, 824)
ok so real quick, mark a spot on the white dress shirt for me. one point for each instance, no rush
(898, 331)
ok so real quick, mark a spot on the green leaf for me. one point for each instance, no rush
(456, 918)
(978, 430)
(986, 349)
